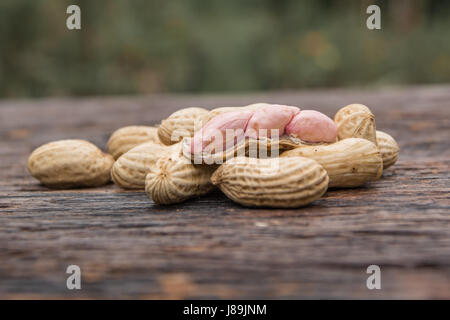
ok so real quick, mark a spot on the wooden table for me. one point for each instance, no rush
(128, 247)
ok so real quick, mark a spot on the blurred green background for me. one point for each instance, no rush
(137, 46)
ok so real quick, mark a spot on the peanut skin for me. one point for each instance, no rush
(227, 129)
(210, 137)
(270, 117)
(312, 126)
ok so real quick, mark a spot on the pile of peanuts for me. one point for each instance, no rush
(260, 155)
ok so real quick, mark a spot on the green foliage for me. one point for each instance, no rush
(140, 46)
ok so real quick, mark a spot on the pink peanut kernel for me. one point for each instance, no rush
(270, 117)
(312, 126)
(227, 129)
(212, 137)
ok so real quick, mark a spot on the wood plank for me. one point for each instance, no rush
(210, 247)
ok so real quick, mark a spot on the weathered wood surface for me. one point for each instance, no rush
(128, 247)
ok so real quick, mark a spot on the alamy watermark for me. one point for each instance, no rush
(74, 280)
(374, 280)
(73, 22)
(374, 20)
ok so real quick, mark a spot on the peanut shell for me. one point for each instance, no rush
(349, 163)
(130, 169)
(262, 147)
(175, 179)
(388, 147)
(276, 182)
(126, 138)
(356, 121)
(70, 164)
(180, 124)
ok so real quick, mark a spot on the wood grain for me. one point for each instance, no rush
(128, 247)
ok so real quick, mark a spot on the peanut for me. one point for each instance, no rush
(180, 124)
(212, 137)
(349, 163)
(277, 182)
(70, 164)
(388, 147)
(228, 129)
(130, 169)
(270, 119)
(356, 121)
(126, 138)
(255, 148)
(174, 179)
(217, 111)
(313, 127)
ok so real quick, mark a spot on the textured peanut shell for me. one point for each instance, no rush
(356, 121)
(175, 179)
(70, 164)
(349, 163)
(130, 169)
(180, 124)
(277, 182)
(127, 138)
(388, 147)
(255, 148)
